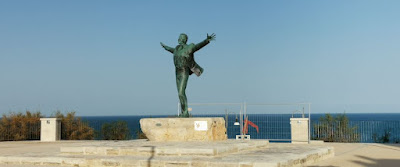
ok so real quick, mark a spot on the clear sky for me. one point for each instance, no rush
(104, 57)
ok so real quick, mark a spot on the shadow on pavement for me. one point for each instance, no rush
(388, 146)
(367, 161)
(152, 155)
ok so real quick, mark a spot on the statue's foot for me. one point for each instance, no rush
(184, 115)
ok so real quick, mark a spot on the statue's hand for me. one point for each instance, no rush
(162, 45)
(211, 37)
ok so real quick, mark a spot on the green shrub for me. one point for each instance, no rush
(335, 129)
(117, 130)
(73, 128)
(20, 126)
(26, 126)
(140, 134)
(385, 138)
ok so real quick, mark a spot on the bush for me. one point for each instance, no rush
(19, 126)
(385, 138)
(140, 134)
(335, 129)
(73, 128)
(117, 130)
(26, 126)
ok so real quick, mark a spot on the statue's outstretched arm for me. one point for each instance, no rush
(205, 42)
(169, 49)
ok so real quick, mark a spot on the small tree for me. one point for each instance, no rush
(20, 126)
(335, 129)
(73, 128)
(117, 130)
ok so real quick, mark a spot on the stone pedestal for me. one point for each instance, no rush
(50, 129)
(184, 129)
(299, 130)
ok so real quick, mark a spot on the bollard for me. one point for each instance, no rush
(299, 130)
(50, 129)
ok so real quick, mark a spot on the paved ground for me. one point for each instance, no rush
(346, 154)
(31, 147)
(277, 154)
(22, 147)
(362, 155)
(149, 148)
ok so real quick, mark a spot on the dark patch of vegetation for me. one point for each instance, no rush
(140, 134)
(396, 140)
(385, 138)
(73, 128)
(20, 126)
(335, 129)
(117, 130)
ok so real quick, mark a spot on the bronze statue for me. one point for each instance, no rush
(185, 65)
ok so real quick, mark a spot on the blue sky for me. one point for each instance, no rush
(104, 57)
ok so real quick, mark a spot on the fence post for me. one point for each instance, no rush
(309, 123)
(241, 120)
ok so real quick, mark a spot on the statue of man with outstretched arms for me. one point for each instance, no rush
(185, 65)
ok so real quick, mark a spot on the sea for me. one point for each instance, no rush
(276, 127)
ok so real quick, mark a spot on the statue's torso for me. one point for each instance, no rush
(183, 56)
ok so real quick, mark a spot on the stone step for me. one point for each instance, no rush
(147, 148)
(277, 155)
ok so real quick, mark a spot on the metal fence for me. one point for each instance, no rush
(273, 120)
(21, 131)
(357, 131)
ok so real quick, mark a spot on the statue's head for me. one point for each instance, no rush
(182, 39)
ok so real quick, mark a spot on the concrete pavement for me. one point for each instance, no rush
(362, 155)
(346, 154)
(251, 153)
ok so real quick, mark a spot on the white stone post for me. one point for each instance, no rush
(50, 129)
(299, 130)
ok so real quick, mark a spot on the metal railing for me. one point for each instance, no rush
(273, 120)
(20, 131)
(357, 131)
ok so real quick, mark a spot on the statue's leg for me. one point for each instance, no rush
(181, 82)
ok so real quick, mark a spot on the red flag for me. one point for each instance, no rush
(252, 124)
(246, 125)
